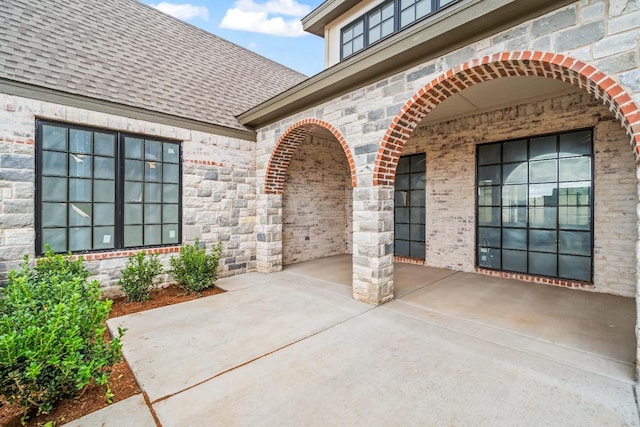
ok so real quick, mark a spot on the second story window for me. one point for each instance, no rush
(384, 20)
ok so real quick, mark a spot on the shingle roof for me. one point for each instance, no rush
(127, 52)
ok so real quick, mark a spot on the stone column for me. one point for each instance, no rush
(269, 233)
(373, 244)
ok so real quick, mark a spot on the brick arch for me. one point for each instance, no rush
(286, 146)
(507, 64)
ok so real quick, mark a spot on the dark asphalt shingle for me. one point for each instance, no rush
(127, 52)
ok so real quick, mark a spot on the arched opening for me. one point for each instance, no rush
(311, 167)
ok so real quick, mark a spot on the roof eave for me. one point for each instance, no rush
(329, 10)
(446, 32)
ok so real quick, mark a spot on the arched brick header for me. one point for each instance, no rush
(286, 146)
(507, 64)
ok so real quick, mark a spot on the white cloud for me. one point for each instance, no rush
(267, 17)
(184, 11)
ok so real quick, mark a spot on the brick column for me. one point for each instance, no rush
(373, 244)
(269, 233)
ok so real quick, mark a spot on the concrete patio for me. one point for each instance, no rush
(293, 348)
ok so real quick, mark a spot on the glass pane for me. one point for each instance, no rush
(402, 248)
(417, 198)
(542, 217)
(54, 138)
(417, 215)
(489, 258)
(54, 189)
(374, 18)
(152, 192)
(170, 233)
(407, 16)
(133, 148)
(401, 198)
(575, 143)
(416, 250)
(489, 175)
(418, 164)
(54, 214)
(54, 163)
(402, 231)
(132, 235)
(347, 50)
(80, 141)
(514, 238)
(574, 193)
(358, 43)
(171, 173)
(542, 240)
(515, 173)
(133, 170)
(104, 213)
(574, 267)
(103, 144)
(423, 8)
(387, 27)
(543, 195)
(387, 10)
(79, 239)
(417, 232)
(418, 180)
(575, 169)
(406, 3)
(80, 214)
(56, 238)
(103, 237)
(169, 214)
(514, 261)
(404, 165)
(488, 216)
(403, 182)
(514, 217)
(573, 217)
(153, 150)
(171, 153)
(445, 2)
(514, 151)
(403, 215)
(104, 191)
(543, 148)
(575, 243)
(153, 171)
(544, 171)
(133, 214)
(171, 193)
(104, 167)
(514, 195)
(543, 264)
(132, 191)
(488, 196)
(152, 234)
(80, 190)
(153, 214)
(358, 27)
(80, 165)
(488, 154)
(374, 35)
(489, 237)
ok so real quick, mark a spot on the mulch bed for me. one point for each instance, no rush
(122, 381)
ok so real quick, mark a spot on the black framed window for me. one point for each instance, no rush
(409, 206)
(384, 20)
(104, 190)
(535, 205)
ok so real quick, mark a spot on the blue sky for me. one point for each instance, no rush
(271, 28)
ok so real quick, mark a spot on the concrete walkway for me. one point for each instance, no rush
(293, 348)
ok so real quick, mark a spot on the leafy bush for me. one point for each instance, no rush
(194, 269)
(52, 325)
(138, 277)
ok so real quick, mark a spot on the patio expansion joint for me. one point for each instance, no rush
(541, 355)
(453, 273)
(233, 368)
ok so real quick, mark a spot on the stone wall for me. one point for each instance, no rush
(316, 203)
(450, 150)
(219, 199)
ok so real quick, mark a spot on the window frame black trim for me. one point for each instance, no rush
(435, 8)
(591, 196)
(119, 186)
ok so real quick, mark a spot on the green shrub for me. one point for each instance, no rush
(138, 277)
(194, 269)
(52, 326)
